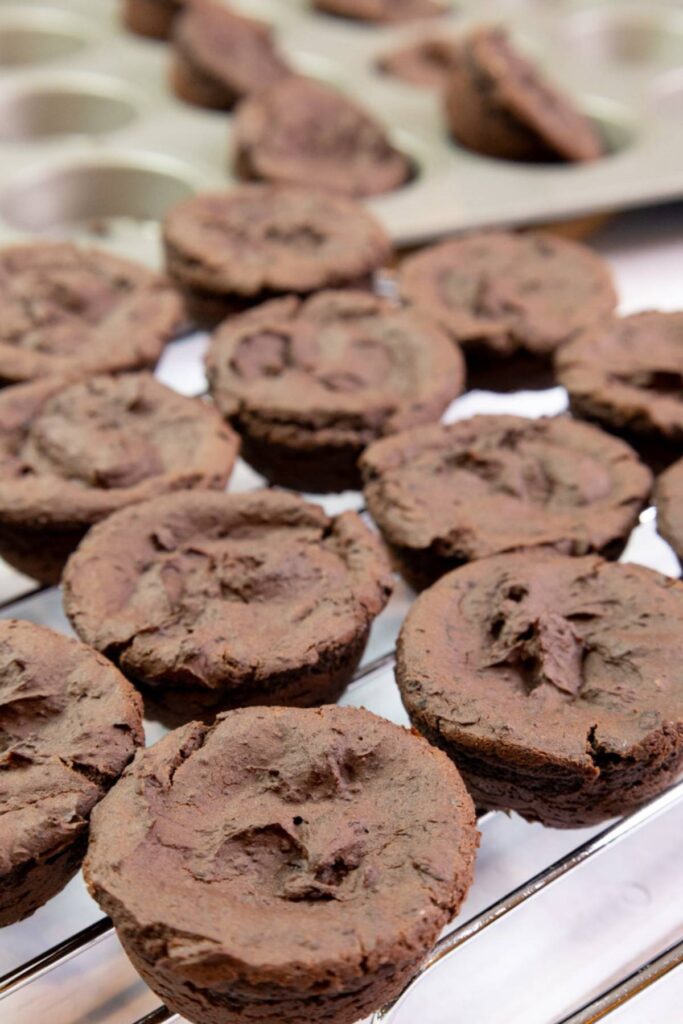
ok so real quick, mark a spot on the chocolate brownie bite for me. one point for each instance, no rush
(501, 293)
(220, 56)
(229, 249)
(304, 132)
(310, 859)
(72, 453)
(669, 501)
(501, 105)
(309, 384)
(554, 683)
(69, 724)
(427, 63)
(446, 495)
(381, 12)
(151, 18)
(74, 312)
(627, 373)
(212, 601)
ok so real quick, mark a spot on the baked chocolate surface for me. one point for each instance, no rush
(73, 311)
(151, 18)
(381, 11)
(669, 501)
(309, 857)
(499, 292)
(303, 132)
(72, 453)
(220, 56)
(219, 600)
(554, 683)
(310, 384)
(258, 240)
(627, 373)
(69, 724)
(445, 495)
(428, 63)
(500, 104)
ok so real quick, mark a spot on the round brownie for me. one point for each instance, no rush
(226, 250)
(213, 601)
(445, 495)
(309, 384)
(554, 683)
(309, 857)
(151, 18)
(73, 311)
(500, 104)
(220, 56)
(428, 63)
(669, 502)
(497, 292)
(304, 132)
(72, 453)
(69, 724)
(627, 373)
(381, 11)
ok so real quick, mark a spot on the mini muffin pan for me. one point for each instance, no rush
(95, 146)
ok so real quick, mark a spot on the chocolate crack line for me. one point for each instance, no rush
(544, 647)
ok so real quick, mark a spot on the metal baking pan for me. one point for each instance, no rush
(94, 145)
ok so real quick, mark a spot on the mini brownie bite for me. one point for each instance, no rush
(445, 495)
(669, 501)
(501, 105)
(309, 860)
(498, 293)
(72, 453)
(309, 384)
(230, 249)
(427, 63)
(381, 11)
(554, 683)
(73, 311)
(220, 56)
(301, 131)
(69, 724)
(627, 373)
(213, 601)
(151, 18)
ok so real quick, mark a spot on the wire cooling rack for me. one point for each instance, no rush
(591, 916)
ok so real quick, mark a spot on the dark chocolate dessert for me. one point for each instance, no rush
(214, 600)
(151, 18)
(428, 63)
(309, 384)
(554, 683)
(445, 495)
(309, 860)
(669, 502)
(70, 454)
(69, 724)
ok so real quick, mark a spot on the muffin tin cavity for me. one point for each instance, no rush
(38, 35)
(629, 35)
(74, 105)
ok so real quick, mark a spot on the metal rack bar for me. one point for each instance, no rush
(55, 957)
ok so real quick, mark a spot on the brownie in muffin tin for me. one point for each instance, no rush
(151, 18)
(381, 12)
(309, 857)
(230, 249)
(74, 312)
(69, 724)
(72, 453)
(445, 495)
(304, 132)
(498, 293)
(501, 105)
(627, 373)
(211, 601)
(428, 63)
(669, 501)
(554, 683)
(220, 56)
(309, 384)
